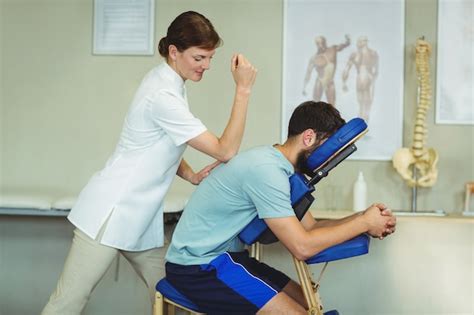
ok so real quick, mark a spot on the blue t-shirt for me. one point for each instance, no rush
(255, 182)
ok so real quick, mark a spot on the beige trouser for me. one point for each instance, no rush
(86, 264)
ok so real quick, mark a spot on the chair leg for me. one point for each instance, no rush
(158, 306)
(314, 291)
(311, 293)
(256, 251)
(171, 309)
(304, 288)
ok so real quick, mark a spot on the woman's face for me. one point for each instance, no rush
(192, 62)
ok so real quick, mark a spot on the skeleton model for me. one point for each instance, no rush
(417, 165)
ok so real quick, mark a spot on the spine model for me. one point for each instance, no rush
(419, 158)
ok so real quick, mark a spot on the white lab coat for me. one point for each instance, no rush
(129, 191)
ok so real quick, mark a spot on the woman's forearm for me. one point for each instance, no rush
(234, 131)
(185, 171)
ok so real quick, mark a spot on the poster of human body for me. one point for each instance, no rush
(455, 79)
(349, 54)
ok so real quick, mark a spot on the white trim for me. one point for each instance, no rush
(251, 274)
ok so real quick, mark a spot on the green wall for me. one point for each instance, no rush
(62, 107)
(61, 111)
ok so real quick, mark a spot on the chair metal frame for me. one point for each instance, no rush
(161, 302)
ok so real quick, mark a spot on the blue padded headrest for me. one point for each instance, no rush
(341, 138)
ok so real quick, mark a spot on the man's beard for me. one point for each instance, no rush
(301, 162)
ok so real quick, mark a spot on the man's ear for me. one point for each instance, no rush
(172, 52)
(309, 137)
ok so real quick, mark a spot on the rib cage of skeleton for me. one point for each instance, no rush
(419, 157)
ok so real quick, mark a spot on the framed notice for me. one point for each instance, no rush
(124, 27)
(351, 55)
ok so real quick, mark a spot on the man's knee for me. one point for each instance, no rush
(294, 291)
(281, 304)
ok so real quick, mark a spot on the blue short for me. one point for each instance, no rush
(232, 283)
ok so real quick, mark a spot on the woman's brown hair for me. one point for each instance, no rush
(189, 29)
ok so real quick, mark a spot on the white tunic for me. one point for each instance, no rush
(130, 190)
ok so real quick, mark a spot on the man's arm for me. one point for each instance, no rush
(304, 243)
(310, 223)
(334, 222)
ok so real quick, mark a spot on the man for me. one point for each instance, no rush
(206, 261)
(366, 62)
(324, 62)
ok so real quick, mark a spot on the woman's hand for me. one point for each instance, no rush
(244, 73)
(196, 178)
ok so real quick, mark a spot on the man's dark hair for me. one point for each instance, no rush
(321, 117)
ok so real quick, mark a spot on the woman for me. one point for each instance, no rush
(120, 209)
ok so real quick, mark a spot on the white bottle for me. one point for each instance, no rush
(360, 193)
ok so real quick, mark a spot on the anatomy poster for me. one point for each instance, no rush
(455, 78)
(349, 54)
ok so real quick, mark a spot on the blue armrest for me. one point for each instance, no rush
(354, 247)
